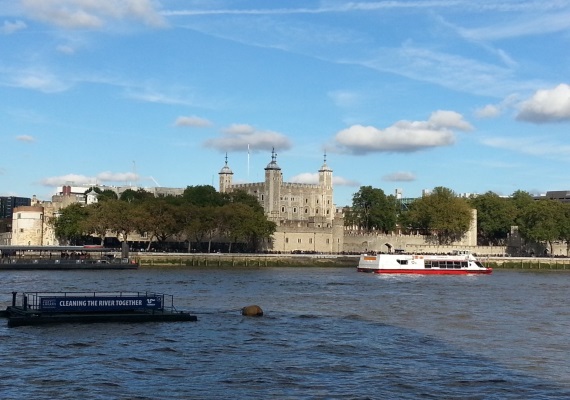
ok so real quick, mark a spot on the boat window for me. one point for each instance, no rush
(464, 264)
(402, 262)
(457, 264)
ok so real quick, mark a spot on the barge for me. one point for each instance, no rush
(39, 308)
(64, 258)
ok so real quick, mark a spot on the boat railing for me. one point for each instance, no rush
(53, 302)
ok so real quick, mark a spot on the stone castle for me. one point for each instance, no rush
(305, 214)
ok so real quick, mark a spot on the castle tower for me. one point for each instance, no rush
(226, 176)
(326, 185)
(273, 181)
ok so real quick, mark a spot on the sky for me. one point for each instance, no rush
(470, 95)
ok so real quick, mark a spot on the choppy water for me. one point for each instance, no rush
(327, 333)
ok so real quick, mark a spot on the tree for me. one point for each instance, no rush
(119, 217)
(69, 225)
(107, 194)
(139, 195)
(495, 216)
(373, 210)
(564, 222)
(203, 196)
(242, 197)
(441, 214)
(540, 222)
(157, 217)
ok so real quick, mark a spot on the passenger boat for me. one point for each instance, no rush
(460, 262)
(64, 258)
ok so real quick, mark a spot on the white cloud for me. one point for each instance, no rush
(238, 137)
(340, 181)
(548, 105)
(313, 178)
(8, 27)
(192, 122)
(400, 176)
(90, 14)
(488, 111)
(25, 138)
(403, 136)
(103, 177)
(306, 177)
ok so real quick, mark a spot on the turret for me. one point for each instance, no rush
(226, 176)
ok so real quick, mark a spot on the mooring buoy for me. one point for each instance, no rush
(252, 311)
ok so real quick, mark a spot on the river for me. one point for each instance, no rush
(327, 333)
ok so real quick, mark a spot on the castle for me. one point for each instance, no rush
(305, 214)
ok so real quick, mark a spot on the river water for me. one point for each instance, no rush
(327, 333)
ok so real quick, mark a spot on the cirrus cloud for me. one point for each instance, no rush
(547, 105)
(403, 136)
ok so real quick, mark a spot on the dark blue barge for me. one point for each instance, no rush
(79, 307)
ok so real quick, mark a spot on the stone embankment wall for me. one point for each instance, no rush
(244, 260)
(217, 260)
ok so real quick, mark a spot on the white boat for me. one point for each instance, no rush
(460, 262)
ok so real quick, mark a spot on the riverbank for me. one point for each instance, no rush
(319, 260)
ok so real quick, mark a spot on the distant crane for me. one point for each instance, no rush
(155, 182)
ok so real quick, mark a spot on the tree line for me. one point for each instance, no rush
(445, 218)
(198, 217)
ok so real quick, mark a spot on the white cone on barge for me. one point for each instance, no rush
(460, 262)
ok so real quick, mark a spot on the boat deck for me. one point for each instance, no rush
(66, 307)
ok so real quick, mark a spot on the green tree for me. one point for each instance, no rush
(107, 194)
(158, 218)
(564, 222)
(441, 214)
(373, 210)
(540, 222)
(119, 216)
(521, 201)
(203, 196)
(69, 225)
(137, 196)
(495, 216)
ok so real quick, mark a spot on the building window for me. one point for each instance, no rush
(294, 209)
(299, 240)
(21, 230)
(306, 201)
(286, 240)
(328, 241)
(310, 240)
(282, 209)
(317, 211)
(19, 215)
(306, 210)
(261, 197)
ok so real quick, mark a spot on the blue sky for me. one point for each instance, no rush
(470, 95)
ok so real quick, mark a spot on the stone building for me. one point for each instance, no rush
(30, 226)
(305, 214)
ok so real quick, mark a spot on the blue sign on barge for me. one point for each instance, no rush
(40, 308)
